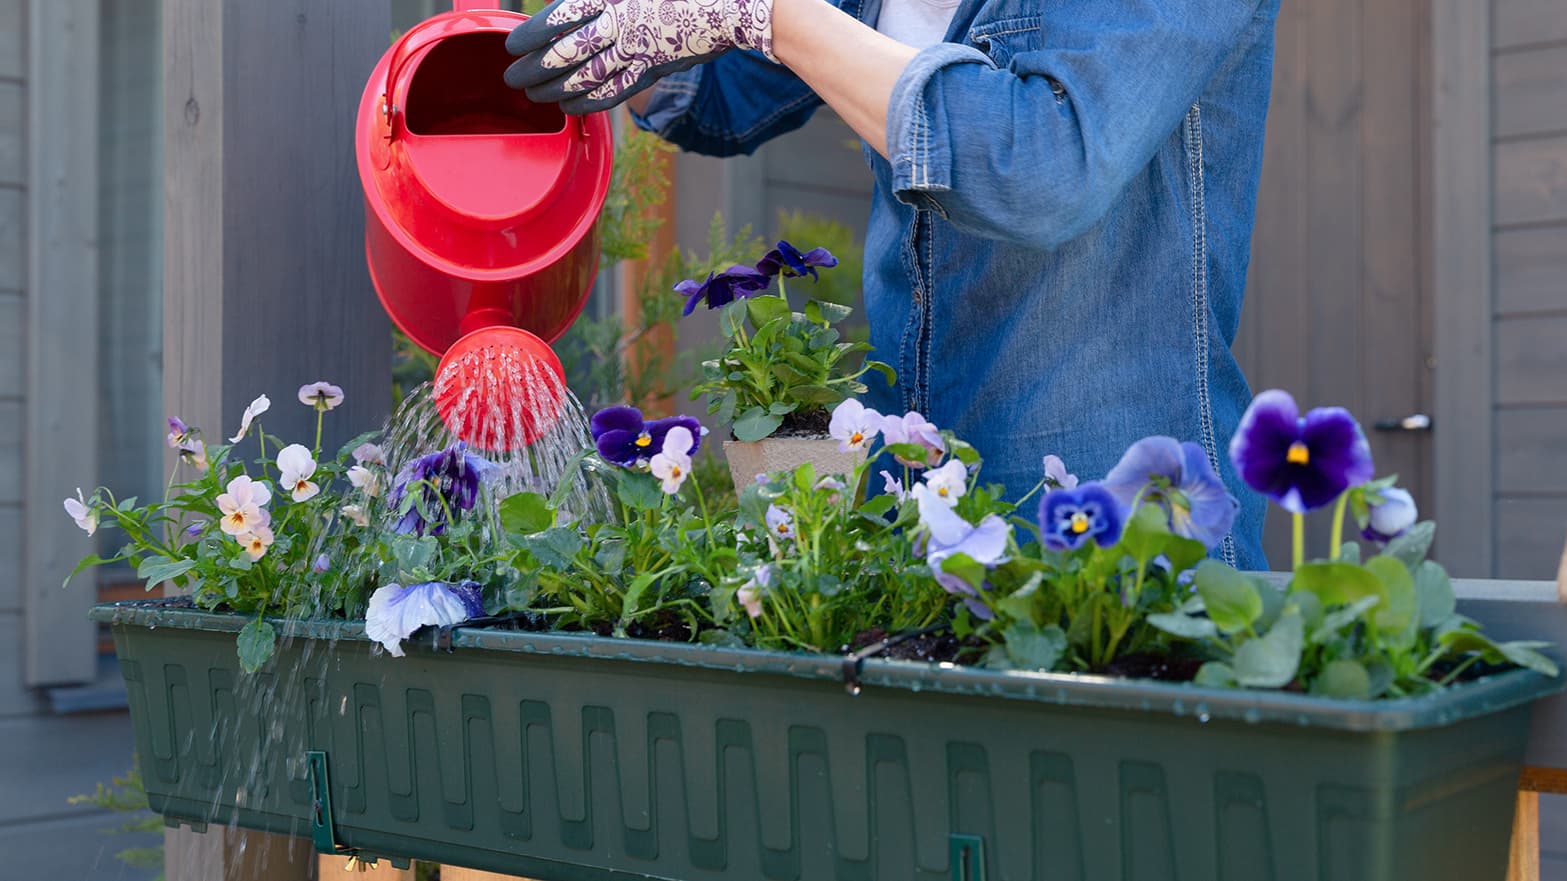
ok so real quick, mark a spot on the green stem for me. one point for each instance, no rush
(261, 437)
(1299, 554)
(320, 415)
(1337, 541)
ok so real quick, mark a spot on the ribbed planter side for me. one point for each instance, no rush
(772, 455)
(581, 758)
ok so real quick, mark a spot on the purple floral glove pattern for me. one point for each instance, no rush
(593, 54)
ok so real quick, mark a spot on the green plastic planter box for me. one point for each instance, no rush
(561, 757)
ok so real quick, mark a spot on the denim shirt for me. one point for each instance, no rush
(1057, 249)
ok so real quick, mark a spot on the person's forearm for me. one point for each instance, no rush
(851, 66)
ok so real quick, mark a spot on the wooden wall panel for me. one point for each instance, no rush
(13, 344)
(11, 558)
(1531, 361)
(13, 39)
(1529, 537)
(10, 454)
(13, 133)
(1531, 270)
(13, 239)
(1531, 181)
(1526, 22)
(1533, 445)
(1531, 91)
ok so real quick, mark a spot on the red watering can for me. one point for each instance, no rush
(481, 212)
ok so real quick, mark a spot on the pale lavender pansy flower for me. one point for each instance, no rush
(892, 486)
(257, 407)
(1392, 516)
(750, 594)
(243, 506)
(912, 428)
(949, 482)
(853, 425)
(322, 563)
(395, 612)
(195, 529)
(672, 464)
(780, 523)
(86, 518)
(369, 454)
(178, 432)
(1056, 475)
(949, 534)
(297, 467)
(321, 395)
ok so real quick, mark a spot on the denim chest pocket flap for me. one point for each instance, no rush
(1004, 37)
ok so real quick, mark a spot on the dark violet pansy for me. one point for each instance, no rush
(623, 438)
(1301, 463)
(448, 480)
(1070, 517)
(786, 260)
(722, 288)
(1178, 478)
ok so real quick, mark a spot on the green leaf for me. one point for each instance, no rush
(1349, 552)
(86, 563)
(1311, 609)
(1230, 597)
(555, 547)
(639, 492)
(634, 591)
(1337, 583)
(256, 643)
(910, 452)
(1411, 547)
(1525, 655)
(731, 319)
(964, 452)
(1399, 609)
(782, 408)
(156, 570)
(1335, 621)
(1184, 626)
(1215, 674)
(878, 506)
(347, 449)
(1271, 661)
(1434, 593)
(1184, 553)
(965, 567)
(1147, 533)
(755, 424)
(816, 394)
(725, 407)
(831, 313)
(765, 308)
(1032, 649)
(884, 369)
(526, 513)
(1346, 680)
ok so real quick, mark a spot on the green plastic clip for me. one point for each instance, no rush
(321, 829)
(966, 856)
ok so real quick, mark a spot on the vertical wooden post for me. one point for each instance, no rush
(330, 867)
(660, 344)
(265, 284)
(60, 443)
(458, 873)
(1523, 858)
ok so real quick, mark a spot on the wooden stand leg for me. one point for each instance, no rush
(330, 867)
(1523, 863)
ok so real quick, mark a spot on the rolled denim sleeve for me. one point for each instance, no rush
(1037, 151)
(730, 105)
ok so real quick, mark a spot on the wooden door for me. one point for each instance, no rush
(1338, 308)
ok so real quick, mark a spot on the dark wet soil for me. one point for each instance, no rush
(932, 648)
(810, 423)
(1147, 666)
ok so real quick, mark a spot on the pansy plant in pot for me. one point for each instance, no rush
(781, 372)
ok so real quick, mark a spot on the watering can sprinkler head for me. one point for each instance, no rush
(500, 388)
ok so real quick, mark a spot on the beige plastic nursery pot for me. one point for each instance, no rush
(771, 455)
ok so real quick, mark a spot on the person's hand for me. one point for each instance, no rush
(590, 55)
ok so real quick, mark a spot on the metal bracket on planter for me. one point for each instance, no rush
(321, 825)
(853, 660)
(966, 856)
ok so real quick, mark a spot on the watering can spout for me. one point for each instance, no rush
(481, 227)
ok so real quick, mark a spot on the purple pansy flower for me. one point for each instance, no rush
(623, 438)
(786, 260)
(1301, 463)
(1178, 478)
(912, 428)
(178, 432)
(1056, 475)
(449, 481)
(1070, 517)
(722, 288)
(949, 534)
(395, 611)
(1391, 517)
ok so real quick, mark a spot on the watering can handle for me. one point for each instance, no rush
(421, 35)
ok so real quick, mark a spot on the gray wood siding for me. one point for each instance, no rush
(14, 698)
(1529, 253)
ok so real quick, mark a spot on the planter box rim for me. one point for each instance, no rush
(1480, 697)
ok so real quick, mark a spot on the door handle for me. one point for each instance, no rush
(1417, 422)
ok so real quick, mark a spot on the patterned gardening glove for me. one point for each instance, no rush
(590, 55)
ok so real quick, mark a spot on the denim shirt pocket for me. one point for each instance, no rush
(1004, 37)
